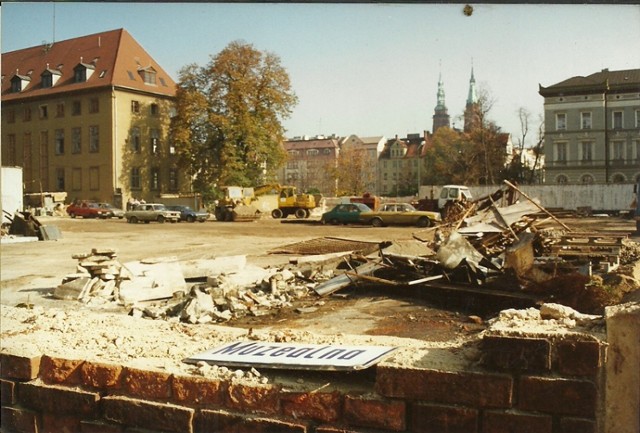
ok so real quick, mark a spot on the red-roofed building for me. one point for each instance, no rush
(89, 116)
(310, 162)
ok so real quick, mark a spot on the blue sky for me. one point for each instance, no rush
(367, 69)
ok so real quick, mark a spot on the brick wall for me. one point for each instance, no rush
(537, 385)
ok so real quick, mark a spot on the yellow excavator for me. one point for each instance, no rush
(238, 203)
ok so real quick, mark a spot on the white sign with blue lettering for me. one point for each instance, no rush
(294, 356)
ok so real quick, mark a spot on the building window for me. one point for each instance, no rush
(80, 74)
(617, 120)
(148, 76)
(11, 116)
(173, 179)
(587, 147)
(94, 105)
(11, 154)
(76, 108)
(172, 148)
(637, 118)
(76, 140)
(561, 121)
(135, 106)
(135, 139)
(27, 166)
(59, 141)
(135, 178)
(585, 120)
(587, 179)
(94, 178)
(76, 179)
(292, 165)
(44, 112)
(618, 150)
(155, 109)
(94, 139)
(60, 179)
(155, 179)
(154, 142)
(27, 114)
(637, 148)
(618, 178)
(561, 152)
(60, 109)
(562, 179)
(312, 152)
(327, 151)
(47, 81)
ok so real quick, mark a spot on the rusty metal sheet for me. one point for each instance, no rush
(326, 245)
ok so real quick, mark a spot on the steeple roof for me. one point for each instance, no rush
(472, 98)
(440, 105)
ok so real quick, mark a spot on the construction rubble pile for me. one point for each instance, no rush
(197, 291)
(500, 251)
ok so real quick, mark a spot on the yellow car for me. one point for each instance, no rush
(400, 214)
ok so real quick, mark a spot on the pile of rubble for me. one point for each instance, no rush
(198, 291)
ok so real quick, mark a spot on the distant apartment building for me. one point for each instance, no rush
(401, 165)
(592, 128)
(367, 149)
(89, 116)
(310, 164)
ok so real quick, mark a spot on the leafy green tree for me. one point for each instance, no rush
(228, 124)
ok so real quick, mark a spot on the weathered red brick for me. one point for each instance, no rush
(440, 419)
(507, 422)
(146, 384)
(7, 393)
(318, 406)
(101, 376)
(376, 413)
(558, 396)
(148, 415)
(577, 425)
(521, 354)
(19, 367)
(56, 399)
(579, 358)
(59, 423)
(19, 420)
(446, 387)
(100, 427)
(225, 422)
(58, 370)
(258, 398)
(198, 390)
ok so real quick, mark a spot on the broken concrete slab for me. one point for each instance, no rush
(73, 289)
(202, 268)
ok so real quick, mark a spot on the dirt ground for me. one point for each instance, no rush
(30, 271)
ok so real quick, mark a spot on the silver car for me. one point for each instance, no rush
(148, 212)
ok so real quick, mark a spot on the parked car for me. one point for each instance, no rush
(86, 209)
(190, 215)
(345, 213)
(114, 212)
(148, 212)
(401, 214)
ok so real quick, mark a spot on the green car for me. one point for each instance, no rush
(345, 213)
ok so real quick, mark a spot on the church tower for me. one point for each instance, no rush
(441, 115)
(471, 111)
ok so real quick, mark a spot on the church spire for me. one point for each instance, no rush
(473, 95)
(440, 116)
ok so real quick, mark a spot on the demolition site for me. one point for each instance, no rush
(503, 317)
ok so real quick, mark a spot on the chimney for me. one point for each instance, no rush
(99, 41)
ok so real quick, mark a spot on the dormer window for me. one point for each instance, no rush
(50, 77)
(19, 82)
(82, 72)
(148, 75)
